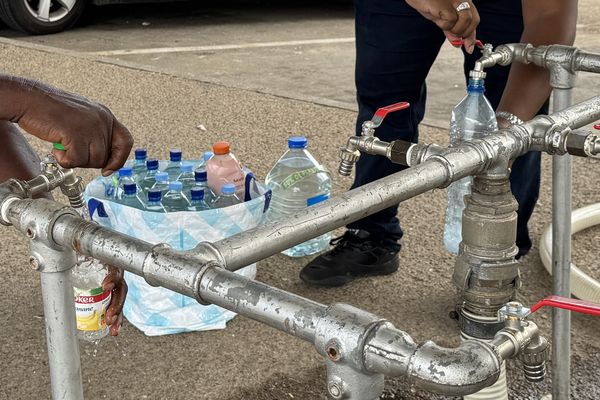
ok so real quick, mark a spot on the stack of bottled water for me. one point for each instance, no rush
(215, 180)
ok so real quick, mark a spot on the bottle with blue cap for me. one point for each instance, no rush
(174, 166)
(161, 182)
(125, 177)
(139, 163)
(174, 200)
(201, 180)
(186, 177)
(205, 157)
(298, 181)
(198, 203)
(149, 178)
(153, 201)
(130, 196)
(228, 196)
(472, 118)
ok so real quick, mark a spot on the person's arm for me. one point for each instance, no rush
(528, 86)
(90, 133)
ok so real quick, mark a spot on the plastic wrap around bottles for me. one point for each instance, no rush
(159, 311)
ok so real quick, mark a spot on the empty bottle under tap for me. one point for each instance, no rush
(472, 118)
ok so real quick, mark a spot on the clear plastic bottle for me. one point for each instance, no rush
(161, 182)
(472, 118)
(223, 167)
(153, 202)
(174, 200)
(197, 199)
(111, 183)
(125, 177)
(201, 180)
(187, 177)
(139, 163)
(174, 166)
(149, 179)
(298, 181)
(228, 196)
(91, 301)
(130, 196)
(205, 157)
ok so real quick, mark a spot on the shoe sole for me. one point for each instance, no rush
(341, 280)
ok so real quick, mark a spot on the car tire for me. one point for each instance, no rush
(21, 15)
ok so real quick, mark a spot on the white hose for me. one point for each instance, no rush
(498, 391)
(583, 286)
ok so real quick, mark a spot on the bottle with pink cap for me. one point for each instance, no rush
(223, 167)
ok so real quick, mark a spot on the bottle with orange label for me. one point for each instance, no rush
(223, 167)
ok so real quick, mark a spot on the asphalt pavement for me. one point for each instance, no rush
(255, 97)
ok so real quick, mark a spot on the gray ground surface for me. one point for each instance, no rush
(249, 360)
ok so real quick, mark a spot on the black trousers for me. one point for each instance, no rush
(395, 48)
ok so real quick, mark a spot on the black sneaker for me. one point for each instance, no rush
(355, 254)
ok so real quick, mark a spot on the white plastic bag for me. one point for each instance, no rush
(159, 311)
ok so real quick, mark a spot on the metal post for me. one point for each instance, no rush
(59, 314)
(562, 82)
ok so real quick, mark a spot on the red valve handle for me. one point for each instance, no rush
(597, 127)
(383, 111)
(460, 42)
(566, 303)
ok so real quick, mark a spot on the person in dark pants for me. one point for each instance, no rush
(396, 44)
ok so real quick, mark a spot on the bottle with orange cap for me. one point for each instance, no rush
(223, 167)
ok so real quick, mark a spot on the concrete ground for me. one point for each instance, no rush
(160, 98)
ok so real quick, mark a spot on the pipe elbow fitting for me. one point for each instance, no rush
(349, 156)
(463, 370)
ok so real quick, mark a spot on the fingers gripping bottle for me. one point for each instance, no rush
(223, 167)
(91, 301)
(298, 181)
(472, 118)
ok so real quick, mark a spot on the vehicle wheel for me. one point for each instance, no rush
(40, 17)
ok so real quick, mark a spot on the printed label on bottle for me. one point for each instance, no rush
(299, 175)
(90, 308)
(316, 199)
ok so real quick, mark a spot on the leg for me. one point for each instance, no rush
(502, 22)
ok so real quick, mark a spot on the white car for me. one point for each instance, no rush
(40, 17)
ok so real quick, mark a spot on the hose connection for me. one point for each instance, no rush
(367, 142)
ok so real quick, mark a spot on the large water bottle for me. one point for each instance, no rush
(125, 178)
(153, 202)
(187, 177)
(298, 181)
(472, 118)
(174, 166)
(161, 182)
(139, 164)
(130, 196)
(149, 179)
(197, 199)
(228, 196)
(174, 199)
(224, 167)
(201, 180)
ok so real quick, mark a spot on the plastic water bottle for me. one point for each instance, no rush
(130, 196)
(224, 167)
(472, 118)
(205, 157)
(139, 164)
(111, 183)
(228, 196)
(153, 202)
(197, 199)
(149, 179)
(174, 199)
(161, 182)
(298, 181)
(91, 301)
(125, 177)
(187, 177)
(201, 180)
(174, 166)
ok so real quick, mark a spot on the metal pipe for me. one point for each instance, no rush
(561, 255)
(59, 316)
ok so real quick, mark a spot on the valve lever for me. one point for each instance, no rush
(580, 306)
(381, 113)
